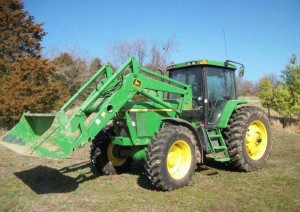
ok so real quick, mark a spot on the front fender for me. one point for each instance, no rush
(199, 138)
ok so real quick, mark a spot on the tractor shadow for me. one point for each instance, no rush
(211, 164)
(45, 180)
(142, 179)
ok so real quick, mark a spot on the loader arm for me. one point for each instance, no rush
(60, 135)
(122, 90)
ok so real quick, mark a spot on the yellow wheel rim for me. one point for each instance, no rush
(256, 140)
(112, 158)
(179, 159)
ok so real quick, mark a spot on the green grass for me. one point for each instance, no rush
(40, 184)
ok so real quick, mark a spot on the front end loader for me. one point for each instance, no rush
(56, 135)
(170, 123)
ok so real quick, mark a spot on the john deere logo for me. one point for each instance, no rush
(136, 83)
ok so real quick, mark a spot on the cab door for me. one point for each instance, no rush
(220, 85)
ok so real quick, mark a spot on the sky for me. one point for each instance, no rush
(260, 34)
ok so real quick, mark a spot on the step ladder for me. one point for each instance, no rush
(217, 144)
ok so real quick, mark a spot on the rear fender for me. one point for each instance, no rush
(229, 108)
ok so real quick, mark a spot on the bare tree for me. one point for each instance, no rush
(155, 60)
(273, 78)
(246, 87)
(120, 52)
(160, 54)
(139, 48)
(74, 71)
(95, 65)
(157, 56)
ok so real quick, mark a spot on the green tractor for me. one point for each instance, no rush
(170, 123)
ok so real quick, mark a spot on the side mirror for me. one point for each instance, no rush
(241, 71)
(242, 67)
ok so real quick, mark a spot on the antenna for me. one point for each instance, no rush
(225, 43)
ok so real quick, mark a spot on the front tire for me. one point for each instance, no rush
(171, 158)
(248, 138)
(103, 154)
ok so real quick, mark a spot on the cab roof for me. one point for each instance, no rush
(201, 63)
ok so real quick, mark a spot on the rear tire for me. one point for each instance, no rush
(248, 138)
(171, 158)
(103, 155)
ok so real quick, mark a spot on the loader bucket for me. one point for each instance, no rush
(41, 135)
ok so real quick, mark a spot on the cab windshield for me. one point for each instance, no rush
(191, 76)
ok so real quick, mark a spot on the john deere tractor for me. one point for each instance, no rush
(170, 123)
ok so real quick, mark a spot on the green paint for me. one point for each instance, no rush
(41, 135)
(217, 145)
(229, 108)
(139, 154)
(133, 102)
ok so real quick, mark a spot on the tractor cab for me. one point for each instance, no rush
(213, 85)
